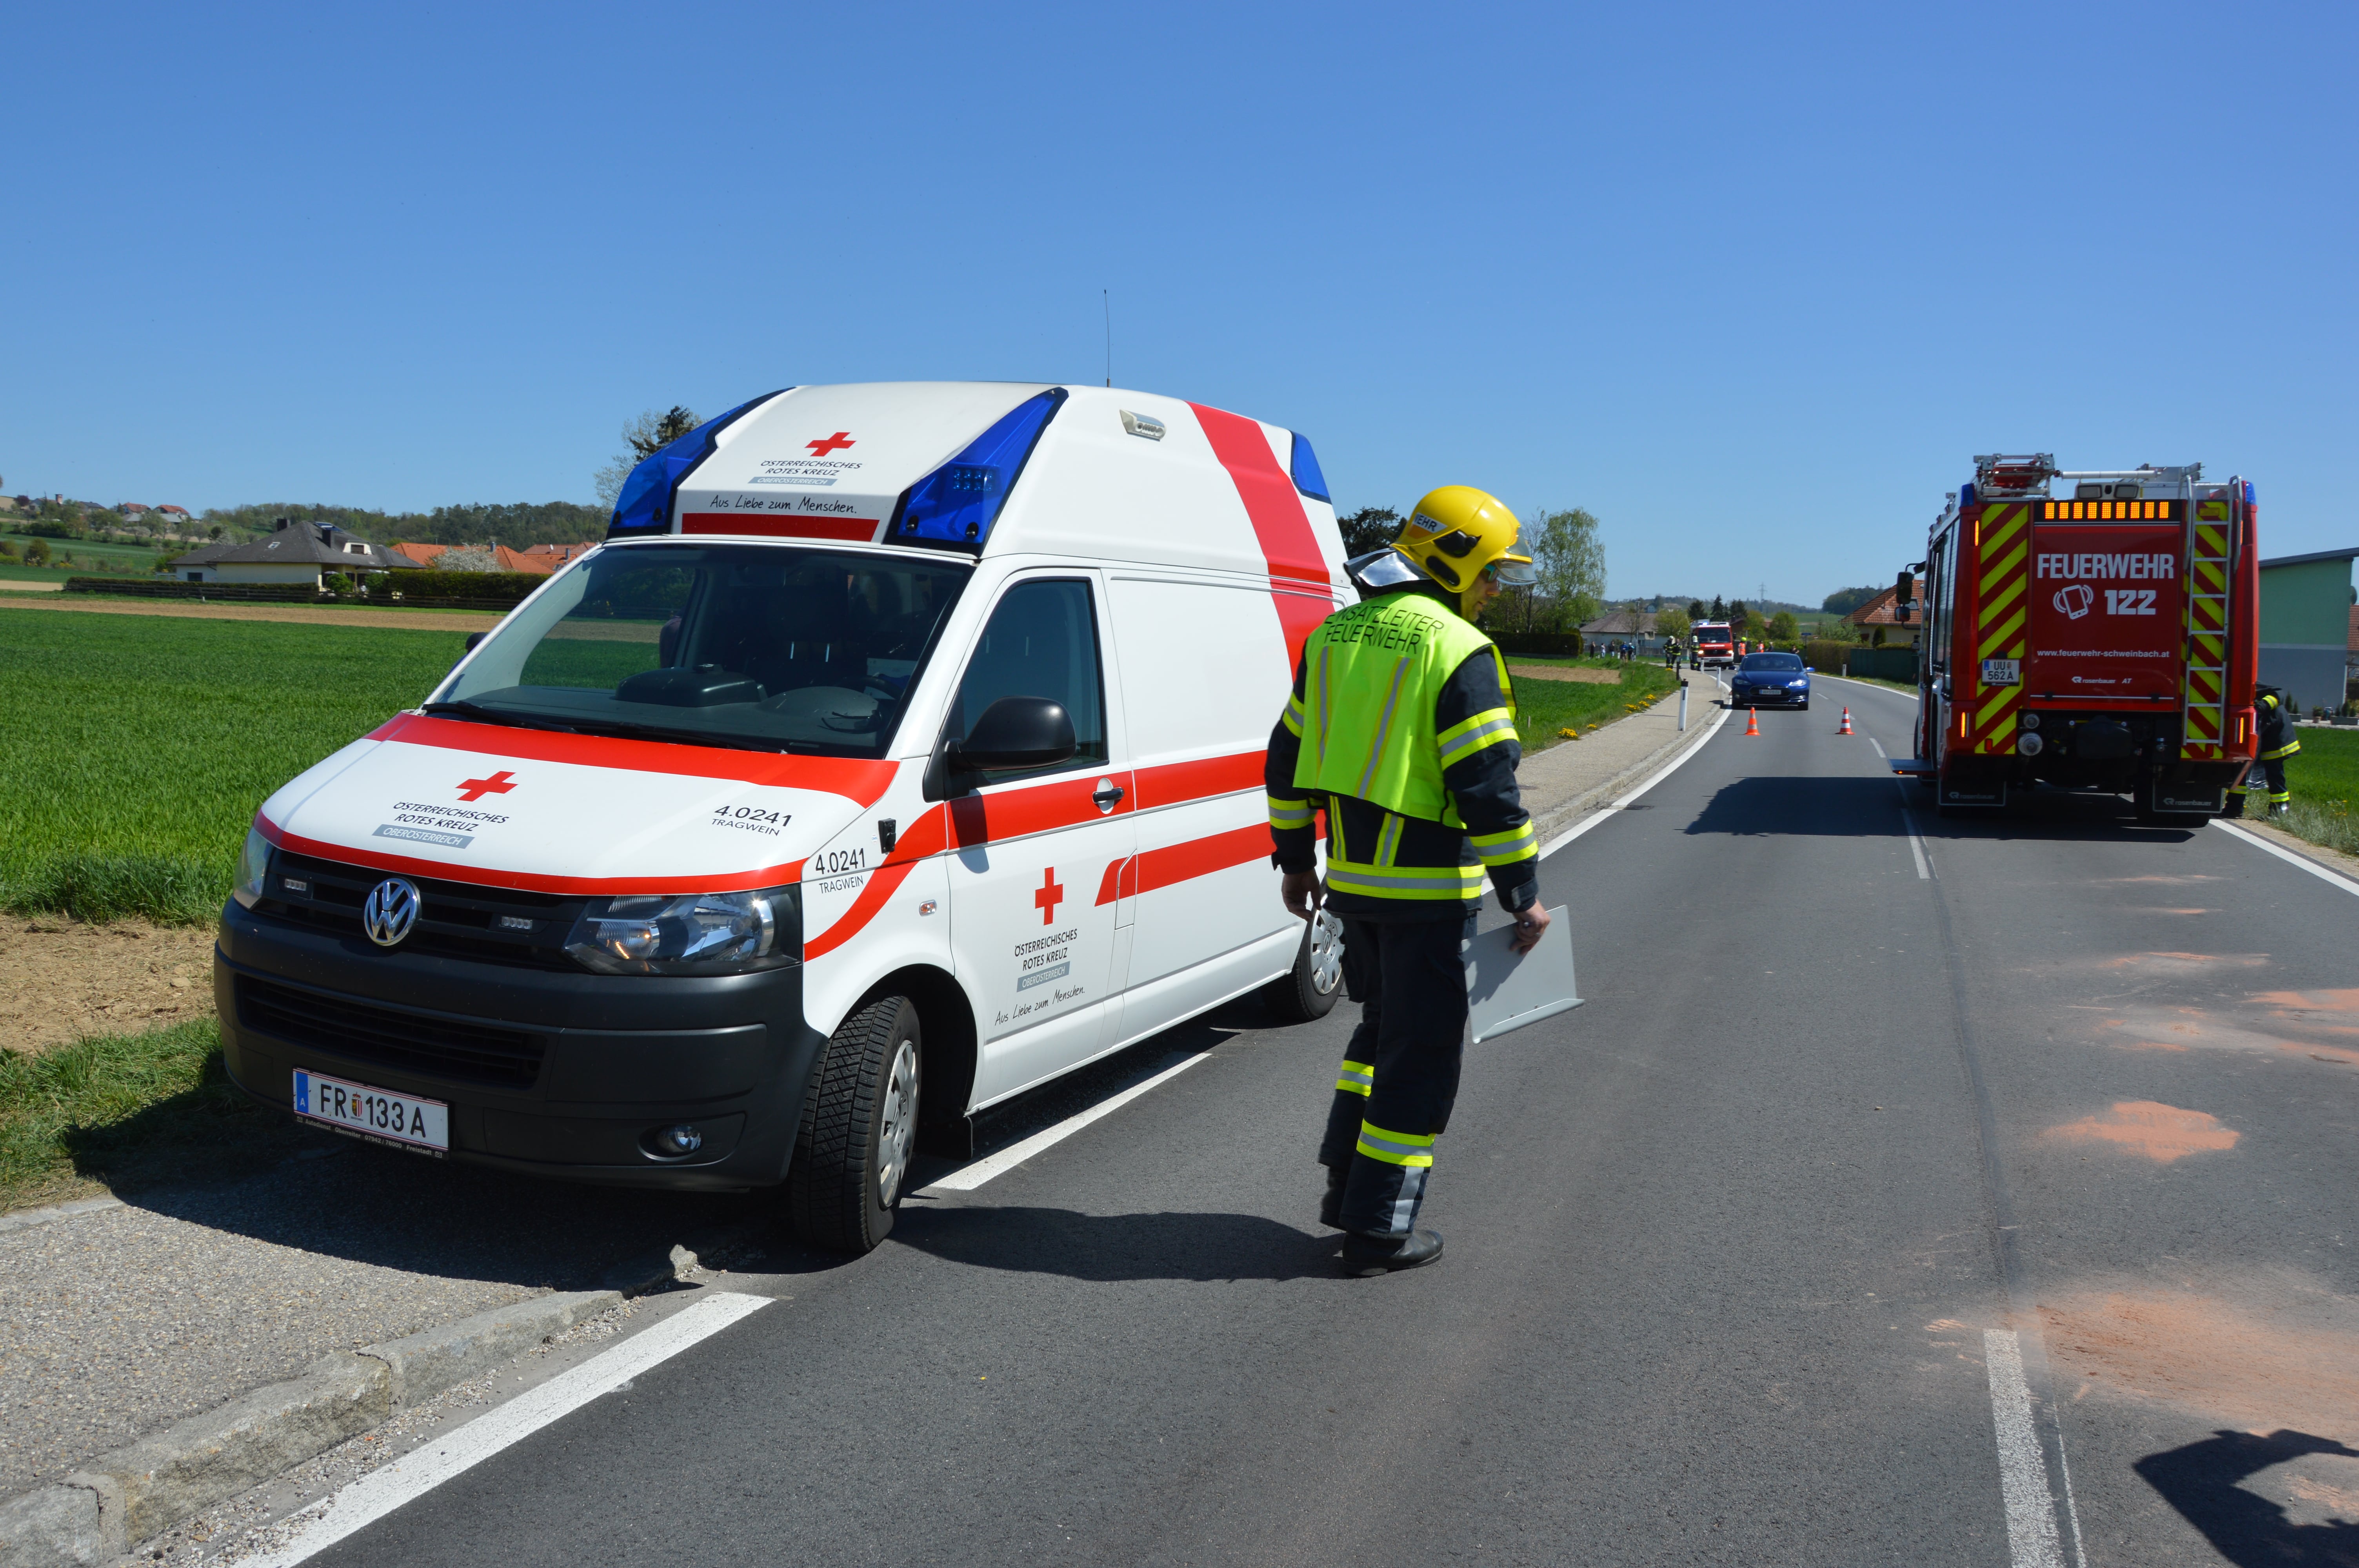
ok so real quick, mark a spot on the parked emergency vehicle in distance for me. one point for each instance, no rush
(1715, 645)
(2088, 631)
(900, 749)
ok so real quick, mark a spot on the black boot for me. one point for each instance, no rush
(1331, 1208)
(1368, 1256)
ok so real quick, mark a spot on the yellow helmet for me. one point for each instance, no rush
(1457, 530)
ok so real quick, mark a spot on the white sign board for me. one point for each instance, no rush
(1507, 989)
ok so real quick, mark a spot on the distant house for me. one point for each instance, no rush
(297, 552)
(418, 555)
(177, 514)
(1625, 626)
(132, 509)
(1885, 629)
(540, 559)
(2306, 626)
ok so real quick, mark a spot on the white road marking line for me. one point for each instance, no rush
(2022, 1473)
(966, 1178)
(1917, 846)
(412, 1475)
(1907, 696)
(1594, 818)
(1879, 747)
(2287, 856)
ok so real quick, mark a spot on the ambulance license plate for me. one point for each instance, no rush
(2002, 671)
(378, 1115)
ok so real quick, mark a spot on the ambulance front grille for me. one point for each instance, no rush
(455, 920)
(356, 1031)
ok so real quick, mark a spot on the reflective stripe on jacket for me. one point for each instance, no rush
(1401, 728)
(2277, 732)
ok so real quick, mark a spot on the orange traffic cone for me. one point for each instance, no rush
(1846, 723)
(1753, 722)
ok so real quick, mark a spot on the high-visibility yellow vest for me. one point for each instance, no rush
(1372, 673)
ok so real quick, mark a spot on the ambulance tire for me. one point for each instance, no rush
(852, 1154)
(1310, 991)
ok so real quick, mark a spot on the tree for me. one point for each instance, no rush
(1368, 529)
(37, 553)
(1843, 600)
(1755, 630)
(1719, 611)
(1736, 614)
(1571, 558)
(646, 434)
(1672, 621)
(1782, 628)
(1695, 610)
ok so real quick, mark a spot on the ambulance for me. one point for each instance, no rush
(898, 751)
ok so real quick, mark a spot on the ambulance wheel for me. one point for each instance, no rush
(1309, 990)
(852, 1155)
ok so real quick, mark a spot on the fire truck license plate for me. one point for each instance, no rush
(2002, 671)
(378, 1115)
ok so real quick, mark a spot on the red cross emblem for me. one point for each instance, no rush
(1048, 897)
(473, 790)
(834, 443)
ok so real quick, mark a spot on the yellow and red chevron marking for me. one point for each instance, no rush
(2205, 652)
(2002, 607)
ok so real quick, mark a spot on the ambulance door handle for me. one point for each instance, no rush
(1108, 794)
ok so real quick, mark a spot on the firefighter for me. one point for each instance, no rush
(2277, 743)
(1402, 729)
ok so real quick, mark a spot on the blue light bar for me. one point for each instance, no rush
(957, 504)
(1307, 477)
(645, 505)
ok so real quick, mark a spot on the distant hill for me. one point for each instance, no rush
(516, 525)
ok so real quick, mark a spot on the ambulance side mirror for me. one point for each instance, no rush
(1904, 594)
(1014, 732)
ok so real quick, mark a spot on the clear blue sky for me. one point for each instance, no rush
(1750, 282)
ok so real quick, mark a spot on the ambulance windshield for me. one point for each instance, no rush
(775, 649)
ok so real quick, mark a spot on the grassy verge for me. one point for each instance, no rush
(134, 750)
(1546, 709)
(126, 1110)
(2323, 778)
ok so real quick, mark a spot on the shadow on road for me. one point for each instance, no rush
(1844, 806)
(1105, 1248)
(2200, 1481)
(423, 1217)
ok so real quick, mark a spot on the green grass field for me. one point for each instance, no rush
(139, 558)
(2323, 778)
(1544, 708)
(126, 1110)
(134, 750)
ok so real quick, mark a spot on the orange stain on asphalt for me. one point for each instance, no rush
(2161, 1132)
(2175, 962)
(2150, 1045)
(2310, 1001)
(2236, 1367)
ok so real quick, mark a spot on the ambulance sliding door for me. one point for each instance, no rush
(1031, 940)
(1204, 673)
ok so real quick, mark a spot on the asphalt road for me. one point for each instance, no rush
(1724, 1248)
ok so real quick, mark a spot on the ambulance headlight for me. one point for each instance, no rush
(2029, 744)
(689, 934)
(253, 867)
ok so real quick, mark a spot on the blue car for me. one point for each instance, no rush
(1771, 680)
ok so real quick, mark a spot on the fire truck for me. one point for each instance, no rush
(2092, 631)
(1715, 645)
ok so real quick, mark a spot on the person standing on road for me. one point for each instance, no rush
(1402, 729)
(2278, 741)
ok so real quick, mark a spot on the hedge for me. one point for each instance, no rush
(501, 587)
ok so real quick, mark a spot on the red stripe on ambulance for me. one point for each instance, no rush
(1288, 546)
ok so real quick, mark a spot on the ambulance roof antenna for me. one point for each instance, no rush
(1106, 299)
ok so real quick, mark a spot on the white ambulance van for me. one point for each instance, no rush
(899, 749)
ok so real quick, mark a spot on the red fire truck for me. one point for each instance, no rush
(2088, 631)
(1715, 645)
